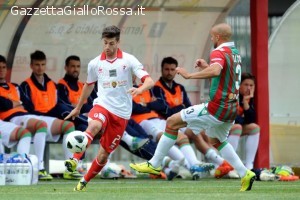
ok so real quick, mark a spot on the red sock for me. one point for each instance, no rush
(94, 170)
(90, 139)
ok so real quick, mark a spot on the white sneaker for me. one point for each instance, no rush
(266, 175)
(109, 173)
(233, 174)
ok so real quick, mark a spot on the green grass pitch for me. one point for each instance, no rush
(132, 189)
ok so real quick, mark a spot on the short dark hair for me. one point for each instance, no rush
(168, 60)
(37, 55)
(247, 75)
(111, 32)
(2, 59)
(72, 57)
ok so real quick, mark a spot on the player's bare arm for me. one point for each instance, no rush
(209, 72)
(86, 92)
(201, 64)
(148, 83)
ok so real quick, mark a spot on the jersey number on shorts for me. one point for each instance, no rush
(113, 144)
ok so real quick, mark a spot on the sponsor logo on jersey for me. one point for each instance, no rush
(122, 83)
(231, 96)
(113, 73)
(106, 84)
(114, 84)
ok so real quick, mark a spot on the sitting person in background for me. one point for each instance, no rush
(42, 93)
(172, 95)
(12, 110)
(12, 135)
(70, 88)
(245, 121)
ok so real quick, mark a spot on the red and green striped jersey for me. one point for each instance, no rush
(224, 89)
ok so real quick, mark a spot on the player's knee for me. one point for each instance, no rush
(236, 129)
(22, 133)
(254, 128)
(67, 127)
(102, 157)
(182, 136)
(41, 124)
(171, 122)
(94, 127)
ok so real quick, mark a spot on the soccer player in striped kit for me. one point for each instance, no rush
(215, 116)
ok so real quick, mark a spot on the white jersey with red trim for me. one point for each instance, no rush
(114, 79)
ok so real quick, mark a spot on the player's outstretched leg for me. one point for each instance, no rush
(98, 163)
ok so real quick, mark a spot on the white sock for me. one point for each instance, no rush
(167, 170)
(251, 149)
(68, 154)
(24, 145)
(175, 153)
(190, 155)
(39, 142)
(127, 138)
(229, 154)
(79, 164)
(164, 145)
(41, 165)
(186, 164)
(168, 162)
(213, 156)
(234, 141)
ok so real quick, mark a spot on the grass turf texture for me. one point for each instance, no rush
(153, 189)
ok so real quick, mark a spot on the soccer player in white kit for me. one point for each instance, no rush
(113, 71)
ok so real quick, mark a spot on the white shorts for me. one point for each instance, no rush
(198, 119)
(6, 129)
(23, 120)
(153, 127)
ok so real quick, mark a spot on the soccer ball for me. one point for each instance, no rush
(76, 142)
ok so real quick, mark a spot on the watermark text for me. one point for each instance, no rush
(84, 10)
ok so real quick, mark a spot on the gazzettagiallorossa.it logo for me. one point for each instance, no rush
(84, 10)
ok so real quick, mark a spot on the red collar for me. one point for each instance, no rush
(119, 55)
